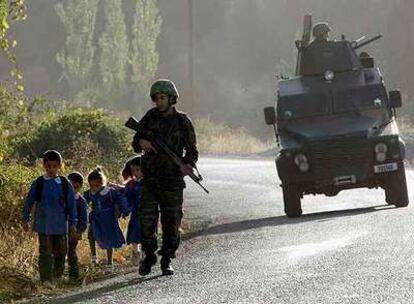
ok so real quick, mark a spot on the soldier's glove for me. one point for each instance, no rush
(186, 169)
(147, 146)
(136, 145)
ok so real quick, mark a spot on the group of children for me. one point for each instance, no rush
(61, 215)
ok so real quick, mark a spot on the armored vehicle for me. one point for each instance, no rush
(335, 125)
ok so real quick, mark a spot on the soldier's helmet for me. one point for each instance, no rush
(320, 29)
(165, 86)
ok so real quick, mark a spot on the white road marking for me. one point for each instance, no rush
(297, 252)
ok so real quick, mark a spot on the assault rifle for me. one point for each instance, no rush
(160, 144)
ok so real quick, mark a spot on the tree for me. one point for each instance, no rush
(102, 61)
(77, 56)
(143, 52)
(10, 12)
(11, 105)
(114, 47)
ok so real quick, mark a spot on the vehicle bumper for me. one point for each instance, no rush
(337, 168)
(332, 186)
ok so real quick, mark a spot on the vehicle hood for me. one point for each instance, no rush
(296, 133)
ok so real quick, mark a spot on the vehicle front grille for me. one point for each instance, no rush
(340, 157)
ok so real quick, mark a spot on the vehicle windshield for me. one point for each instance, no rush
(366, 101)
(336, 56)
(301, 106)
(359, 99)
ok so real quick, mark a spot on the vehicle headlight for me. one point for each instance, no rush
(329, 75)
(302, 162)
(381, 148)
(381, 157)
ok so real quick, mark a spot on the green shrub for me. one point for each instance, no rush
(77, 133)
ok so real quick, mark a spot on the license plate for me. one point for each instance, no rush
(386, 168)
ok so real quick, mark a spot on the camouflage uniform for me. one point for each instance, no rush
(163, 181)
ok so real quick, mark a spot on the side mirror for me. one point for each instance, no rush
(270, 115)
(395, 98)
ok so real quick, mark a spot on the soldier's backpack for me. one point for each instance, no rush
(65, 189)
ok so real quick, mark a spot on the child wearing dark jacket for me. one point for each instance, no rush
(76, 180)
(53, 199)
(132, 174)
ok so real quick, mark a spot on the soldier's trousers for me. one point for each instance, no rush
(167, 201)
(52, 254)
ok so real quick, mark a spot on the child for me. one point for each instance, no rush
(132, 173)
(54, 200)
(104, 226)
(76, 180)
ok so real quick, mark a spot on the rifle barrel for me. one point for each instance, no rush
(367, 42)
(179, 162)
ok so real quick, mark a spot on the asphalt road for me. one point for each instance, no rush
(348, 249)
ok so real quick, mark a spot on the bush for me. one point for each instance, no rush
(77, 133)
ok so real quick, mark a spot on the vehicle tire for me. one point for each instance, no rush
(396, 189)
(291, 199)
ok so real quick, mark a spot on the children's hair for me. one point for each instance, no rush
(52, 155)
(76, 177)
(127, 171)
(97, 174)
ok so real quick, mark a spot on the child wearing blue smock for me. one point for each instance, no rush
(133, 175)
(105, 203)
(53, 199)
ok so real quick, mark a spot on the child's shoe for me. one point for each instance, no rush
(136, 257)
(109, 267)
(74, 281)
(59, 282)
(94, 260)
(48, 285)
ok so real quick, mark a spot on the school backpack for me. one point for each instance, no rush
(65, 189)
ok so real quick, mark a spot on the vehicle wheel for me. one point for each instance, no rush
(291, 199)
(396, 189)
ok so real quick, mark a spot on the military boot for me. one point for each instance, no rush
(166, 267)
(146, 263)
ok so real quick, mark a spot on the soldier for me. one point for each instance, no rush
(314, 54)
(163, 181)
(321, 32)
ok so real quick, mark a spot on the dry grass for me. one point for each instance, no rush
(406, 130)
(219, 139)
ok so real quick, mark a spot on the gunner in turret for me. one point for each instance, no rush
(321, 32)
